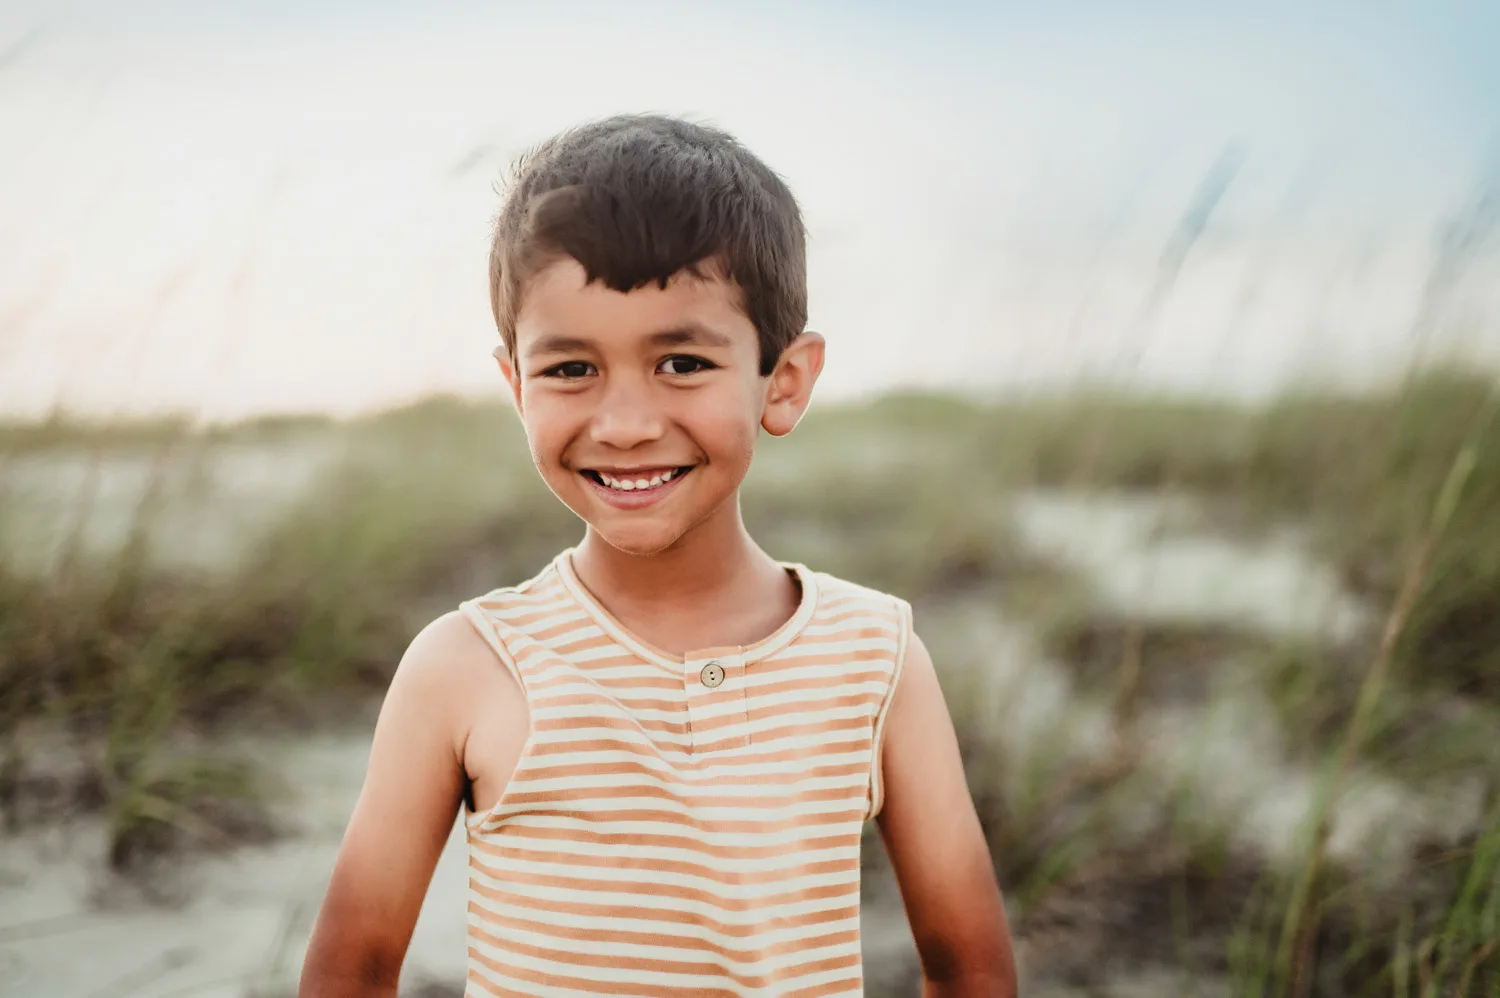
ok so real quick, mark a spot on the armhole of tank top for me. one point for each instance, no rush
(487, 630)
(903, 635)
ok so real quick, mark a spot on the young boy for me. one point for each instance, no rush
(667, 742)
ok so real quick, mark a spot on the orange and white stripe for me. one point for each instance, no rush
(664, 836)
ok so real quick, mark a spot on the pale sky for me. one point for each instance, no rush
(250, 206)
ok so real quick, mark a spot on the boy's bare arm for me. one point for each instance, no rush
(412, 791)
(932, 834)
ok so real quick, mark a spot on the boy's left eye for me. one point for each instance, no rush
(683, 364)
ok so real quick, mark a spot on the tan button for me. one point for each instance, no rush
(712, 675)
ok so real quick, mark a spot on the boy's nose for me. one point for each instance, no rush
(626, 419)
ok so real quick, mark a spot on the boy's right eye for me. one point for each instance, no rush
(569, 370)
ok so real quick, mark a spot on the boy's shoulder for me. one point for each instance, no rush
(444, 670)
(452, 658)
(546, 583)
(851, 607)
(833, 588)
(451, 653)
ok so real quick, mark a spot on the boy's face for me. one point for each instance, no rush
(642, 409)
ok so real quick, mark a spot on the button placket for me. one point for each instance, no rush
(716, 701)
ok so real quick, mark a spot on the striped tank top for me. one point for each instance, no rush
(681, 827)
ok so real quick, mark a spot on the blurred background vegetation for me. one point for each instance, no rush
(1226, 678)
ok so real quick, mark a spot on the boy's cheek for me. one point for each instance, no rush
(727, 421)
(547, 423)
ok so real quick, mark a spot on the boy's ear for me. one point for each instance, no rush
(789, 387)
(512, 376)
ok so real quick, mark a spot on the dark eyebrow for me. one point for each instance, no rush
(690, 334)
(557, 344)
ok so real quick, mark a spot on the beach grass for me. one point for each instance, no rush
(139, 654)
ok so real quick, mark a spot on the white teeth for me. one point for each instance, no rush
(629, 485)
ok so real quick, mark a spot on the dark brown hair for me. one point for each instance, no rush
(636, 199)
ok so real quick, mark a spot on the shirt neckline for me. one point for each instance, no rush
(764, 648)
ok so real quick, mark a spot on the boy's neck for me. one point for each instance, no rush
(715, 566)
(716, 555)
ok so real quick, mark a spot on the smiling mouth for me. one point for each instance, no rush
(627, 482)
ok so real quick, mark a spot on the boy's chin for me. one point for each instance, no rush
(641, 542)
